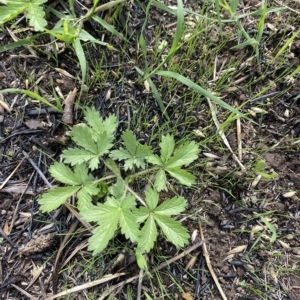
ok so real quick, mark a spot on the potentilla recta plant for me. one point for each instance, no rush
(110, 201)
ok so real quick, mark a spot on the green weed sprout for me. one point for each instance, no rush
(109, 201)
(68, 29)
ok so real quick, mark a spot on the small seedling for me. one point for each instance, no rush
(110, 201)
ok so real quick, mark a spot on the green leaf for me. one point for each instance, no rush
(154, 159)
(11, 11)
(183, 176)
(184, 155)
(84, 200)
(104, 143)
(76, 156)
(52, 199)
(64, 174)
(272, 228)
(172, 229)
(94, 162)
(58, 32)
(151, 198)
(102, 235)
(202, 91)
(94, 120)
(134, 154)
(108, 216)
(110, 164)
(130, 141)
(141, 261)
(95, 213)
(160, 180)
(141, 214)
(173, 206)
(92, 187)
(127, 202)
(20, 43)
(30, 93)
(36, 15)
(117, 190)
(148, 235)
(82, 136)
(268, 176)
(82, 60)
(167, 147)
(129, 227)
(35, 12)
(82, 172)
(259, 166)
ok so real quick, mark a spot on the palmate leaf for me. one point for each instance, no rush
(93, 188)
(82, 172)
(109, 215)
(141, 214)
(99, 125)
(97, 213)
(184, 155)
(52, 199)
(154, 159)
(117, 190)
(130, 141)
(172, 229)
(170, 161)
(11, 11)
(133, 154)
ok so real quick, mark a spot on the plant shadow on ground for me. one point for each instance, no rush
(250, 221)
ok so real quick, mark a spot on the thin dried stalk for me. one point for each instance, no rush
(221, 132)
(207, 259)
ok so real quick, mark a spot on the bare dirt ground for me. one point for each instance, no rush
(42, 254)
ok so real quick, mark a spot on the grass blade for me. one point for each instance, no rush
(202, 91)
(32, 95)
(82, 61)
(18, 43)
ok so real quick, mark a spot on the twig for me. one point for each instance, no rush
(221, 132)
(207, 259)
(3, 234)
(24, 292)
(37, 169)
(86, 285)
(58, 255)
(161, 266)
(17, 206)
(11, 174)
